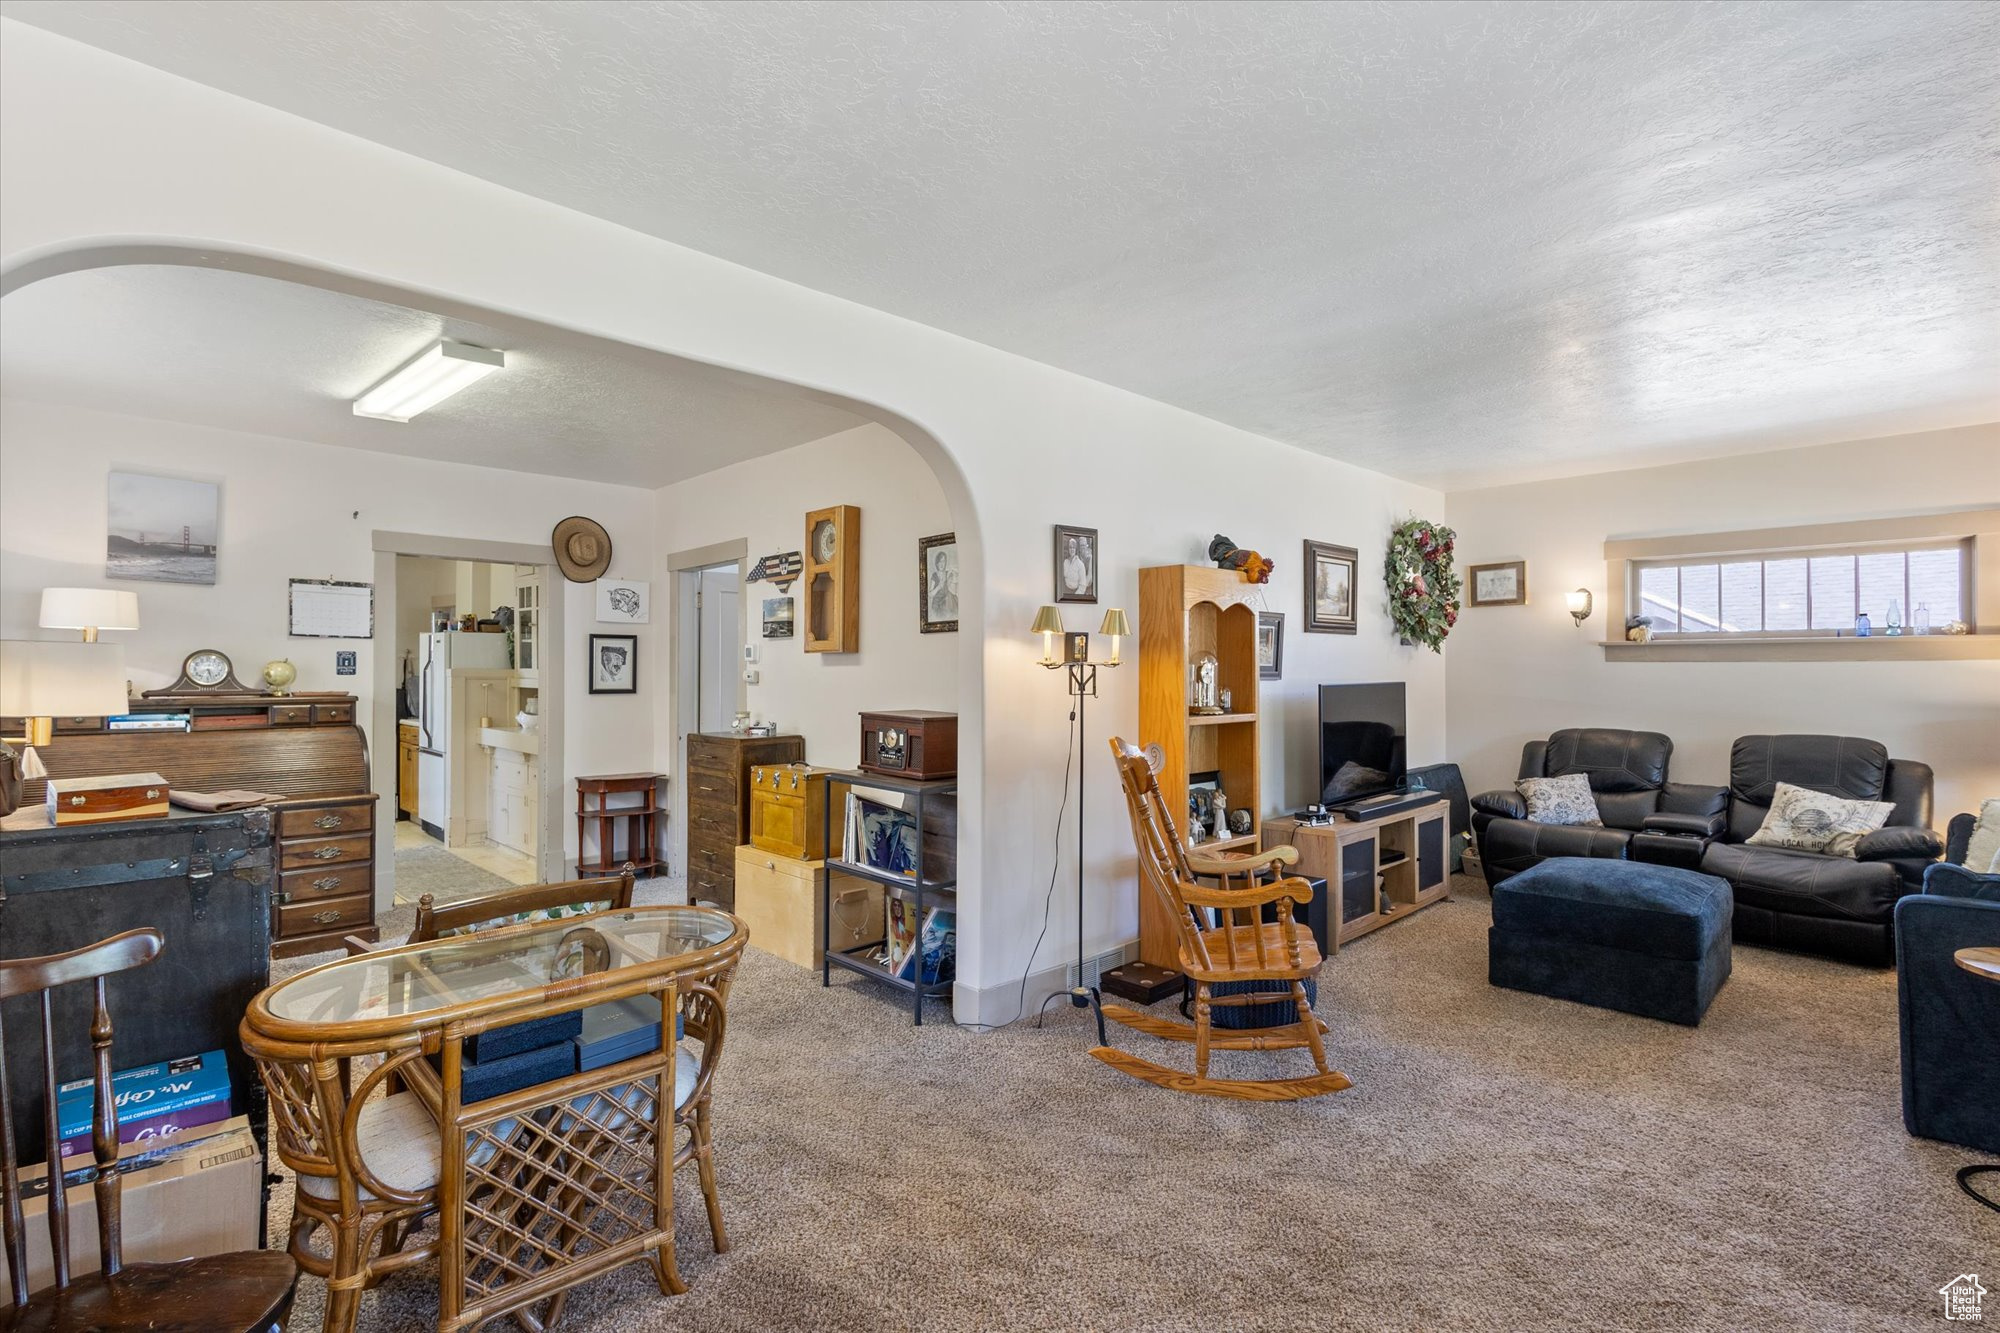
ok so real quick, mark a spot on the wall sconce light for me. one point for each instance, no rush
(1579, 605)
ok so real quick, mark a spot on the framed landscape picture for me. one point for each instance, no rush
(1330, 588)
(1270, 645)
(1076, 564)
(614, 664)
(937, 584)
(1504, 584)
(161, 529)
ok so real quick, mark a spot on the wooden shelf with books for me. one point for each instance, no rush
(901, 833)
(1198, 634)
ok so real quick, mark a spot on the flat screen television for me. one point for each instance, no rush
(1361, 741)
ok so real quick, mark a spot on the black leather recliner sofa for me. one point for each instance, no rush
(1824, 904)
(1627, 771)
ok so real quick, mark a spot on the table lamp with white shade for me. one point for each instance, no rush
(41, 681)
(89, 609)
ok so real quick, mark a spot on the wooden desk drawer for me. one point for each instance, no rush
(297, 886)
(309, 852)
(322, 821)
(291, 715)
(324, 914)
(714, 791)
(324, 714)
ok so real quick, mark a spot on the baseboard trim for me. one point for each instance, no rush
(998, 1005)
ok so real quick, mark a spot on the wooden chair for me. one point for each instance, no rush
(249, 1291)
(1223, 938)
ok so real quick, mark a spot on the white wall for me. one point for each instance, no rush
(292, 510)
(104, 159)
(764, 501)
(1517, 673)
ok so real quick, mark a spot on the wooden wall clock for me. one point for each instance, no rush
(204, 671)
(833, 580)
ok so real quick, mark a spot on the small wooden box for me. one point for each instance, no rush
(779, 899)
(912, 744)
(99, 800)
(788, 810)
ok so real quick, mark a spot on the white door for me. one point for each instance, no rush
(721, 650)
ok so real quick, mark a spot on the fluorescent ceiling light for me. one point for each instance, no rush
(427, 381)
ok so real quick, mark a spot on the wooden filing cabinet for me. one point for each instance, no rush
(717, 783)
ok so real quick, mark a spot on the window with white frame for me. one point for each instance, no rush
(1795, 594)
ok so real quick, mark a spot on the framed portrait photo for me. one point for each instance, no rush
(1504, 584)
(1270, 645)
(1076, 564)
(1331, 588)
(937, 584)
(614, 664)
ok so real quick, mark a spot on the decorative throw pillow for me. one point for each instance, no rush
(1804, 820)
(1984, 850)
(1563, 800)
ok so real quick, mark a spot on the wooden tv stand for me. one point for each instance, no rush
(1409, 849)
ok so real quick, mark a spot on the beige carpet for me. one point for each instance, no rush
(1502, 1162)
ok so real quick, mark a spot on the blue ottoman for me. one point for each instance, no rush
(1643, 939)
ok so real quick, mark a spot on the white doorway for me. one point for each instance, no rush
(719, 656)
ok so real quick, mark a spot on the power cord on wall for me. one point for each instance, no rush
(1048, 899)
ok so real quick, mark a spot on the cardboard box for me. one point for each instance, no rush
(182, 1088)
(189, 1198)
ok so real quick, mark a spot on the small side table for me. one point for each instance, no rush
(637, 821)
(1984, 963)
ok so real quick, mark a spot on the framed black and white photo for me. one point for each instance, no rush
(624, 602)
(1270, 645)
(1504, 584)
(937, 583)
(1330, 588)
(161, 529)
(1076, 564)
(777, 617)
(614, 664)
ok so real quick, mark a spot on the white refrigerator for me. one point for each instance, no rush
(438, 656)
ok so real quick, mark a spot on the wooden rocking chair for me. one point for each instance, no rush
(1223, 938)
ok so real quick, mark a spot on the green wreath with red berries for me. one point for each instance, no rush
(1423, 586)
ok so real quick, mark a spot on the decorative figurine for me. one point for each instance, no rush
(1203, 672)
(1639, 629)
(1218, 813)
(1222, 698)
(1228, 555)
(1239, 822)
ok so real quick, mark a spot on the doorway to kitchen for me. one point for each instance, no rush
(471, 767)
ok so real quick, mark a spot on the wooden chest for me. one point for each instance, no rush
(910, 744)
(718, 805)
(788, 810)
(97, 800)
(783, 902)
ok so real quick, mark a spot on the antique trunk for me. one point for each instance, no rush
(788, 810)
(912, 744)
(781, 900)
(202, 881)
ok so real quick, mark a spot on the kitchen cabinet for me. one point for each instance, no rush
(406, 768)
(511, 801)
(528, 623)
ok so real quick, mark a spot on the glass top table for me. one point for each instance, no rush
(417, 986)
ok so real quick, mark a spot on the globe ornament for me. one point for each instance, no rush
(279, 675)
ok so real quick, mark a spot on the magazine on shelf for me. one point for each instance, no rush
(938, 947)
(880, 835)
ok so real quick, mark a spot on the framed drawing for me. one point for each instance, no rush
(937, 584)
(1270, 645)
(1504, 584)
(624, 602)
(1330, 588)
(1076, 564)
(161, 529)
(614, 664)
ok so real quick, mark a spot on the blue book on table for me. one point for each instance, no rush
(619, 1031)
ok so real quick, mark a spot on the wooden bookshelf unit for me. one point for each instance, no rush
(1184, 611)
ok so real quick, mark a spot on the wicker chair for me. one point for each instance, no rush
(1223, 939)
(367, 1165)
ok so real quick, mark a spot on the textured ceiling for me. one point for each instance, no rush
(1444, 240)
(256, 354)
